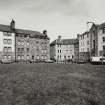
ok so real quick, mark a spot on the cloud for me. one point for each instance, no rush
(65, 7)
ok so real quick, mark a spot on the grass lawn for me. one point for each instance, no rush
(52, 84)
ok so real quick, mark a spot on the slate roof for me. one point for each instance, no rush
(7, 28)
(64, 42)
(101, 25)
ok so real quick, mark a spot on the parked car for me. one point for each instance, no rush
(5, 61)
(97, 60)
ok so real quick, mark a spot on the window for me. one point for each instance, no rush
(32, 57)
(18, 42)
(5, 41)
(22, 56)
(58, 51)
(103, 39)
(5, 49)
(22, 49)
(103, 30)
(28, 36)
(9, 41)
(7, 34)
(44, 51)
(87, 42)
(83, 37)
(37, 48)
(22, 43)
(37, 42)
(5, 57)
(9, 49)
(27, 49)
(44, 57)
(28, 56)
(18, 57)
(104, 48)
(37, 57)
(9, 57)
(18, 49)
(27, 43)
(58, 56)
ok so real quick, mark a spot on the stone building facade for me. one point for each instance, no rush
(84, 46)
(92, 43)
(101, 40)
(26, 45)
(64, 49)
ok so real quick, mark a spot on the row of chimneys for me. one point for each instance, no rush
(12, 25)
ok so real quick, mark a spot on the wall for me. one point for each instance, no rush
(100, 42)
(67, 52)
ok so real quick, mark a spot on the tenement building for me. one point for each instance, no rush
(84, 46)
(23, 45)
(92, 43)
(101, 40)
(64, 49)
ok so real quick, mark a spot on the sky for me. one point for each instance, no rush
(59, 17)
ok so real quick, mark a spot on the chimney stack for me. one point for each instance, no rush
(45, 32)
(12, 24)
(59, 37)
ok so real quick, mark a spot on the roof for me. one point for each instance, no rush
(7, 28)
(64, 42)
(85, 33)
(101, 25)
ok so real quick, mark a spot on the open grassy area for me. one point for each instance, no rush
(52, 84)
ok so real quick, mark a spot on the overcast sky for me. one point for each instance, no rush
(59, 17)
